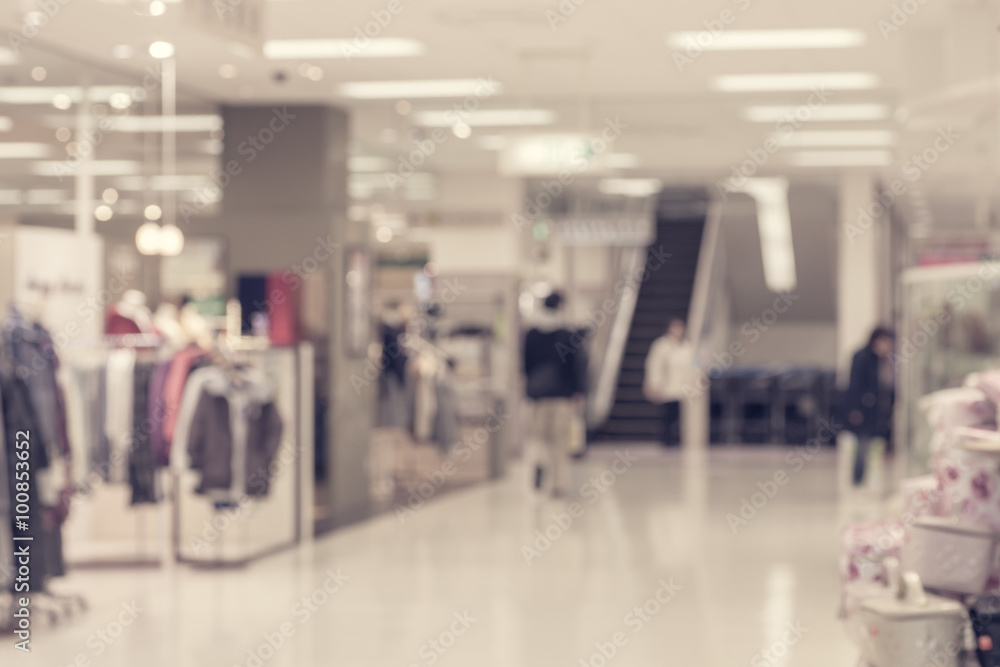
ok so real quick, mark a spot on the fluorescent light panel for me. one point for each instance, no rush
(383, 90)
(841, 158)
(367, 163)
(44, 94)
(837, 138)
(486, 118)
(188, 123)
(630, 187)
(319, 49)
(20, 150)
(775, 227)
(825, 113)
(747, 83)
(769, 40)
(97, 167)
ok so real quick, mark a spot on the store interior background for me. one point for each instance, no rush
(474, 227)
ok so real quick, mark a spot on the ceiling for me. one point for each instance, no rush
(606, 60)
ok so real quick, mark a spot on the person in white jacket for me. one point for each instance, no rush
(669, 368)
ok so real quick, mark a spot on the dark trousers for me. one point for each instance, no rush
(671, 423)
(861, 458)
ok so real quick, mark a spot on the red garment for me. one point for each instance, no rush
(173, 388)
(282, 310)
(119, 325)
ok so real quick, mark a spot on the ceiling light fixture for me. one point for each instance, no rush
(318, 49)
(38, 73)
(748, 83)
(382, 90)
(62, 101)
(461, 130)
(838, 138)
(103, 213)
(825, 113)
(161, 50)
(768, 40)
(152, 212)
(775, 226)
(841, 158)
(630, 187)
(20, 150)
(486, 118)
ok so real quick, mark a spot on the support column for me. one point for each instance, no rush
(859, 290)
(859, 275)
(284, 186)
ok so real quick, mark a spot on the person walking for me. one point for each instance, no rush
(870, 395)
(669, 367)
(555, 369)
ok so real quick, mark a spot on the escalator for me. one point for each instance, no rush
(664, 295)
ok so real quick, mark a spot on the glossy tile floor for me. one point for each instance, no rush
(649, 572)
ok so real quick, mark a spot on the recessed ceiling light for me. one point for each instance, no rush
(123, 52)
(228, 71)
(383, 234)
(403, 108)
(486, 118)
(743, 83)
(380, 90)
(38, 73)
(842, 158)
(103, 213)
(157, 8)
(317, 49)
(161, 50)
(62, 101)
(314, 73)
(825, 113)
(462, 130)
(768, 40)
(153, 212)
(110, 195)
(836, 138)
(120, 101)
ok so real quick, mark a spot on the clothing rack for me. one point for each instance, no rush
(32, 403)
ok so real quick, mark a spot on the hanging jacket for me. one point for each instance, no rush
(235, 433)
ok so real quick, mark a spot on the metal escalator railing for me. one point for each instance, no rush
(609, 358)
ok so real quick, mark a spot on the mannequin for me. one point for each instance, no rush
(131, 315)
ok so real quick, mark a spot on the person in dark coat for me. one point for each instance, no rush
(870, 395)
(555, 369)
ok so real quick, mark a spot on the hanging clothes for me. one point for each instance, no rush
(230, 428)
(119, 411)
(19, 418)
(173, 389)
(142, 464)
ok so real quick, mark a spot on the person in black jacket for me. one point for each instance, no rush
(555, 368)
(869, 398)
